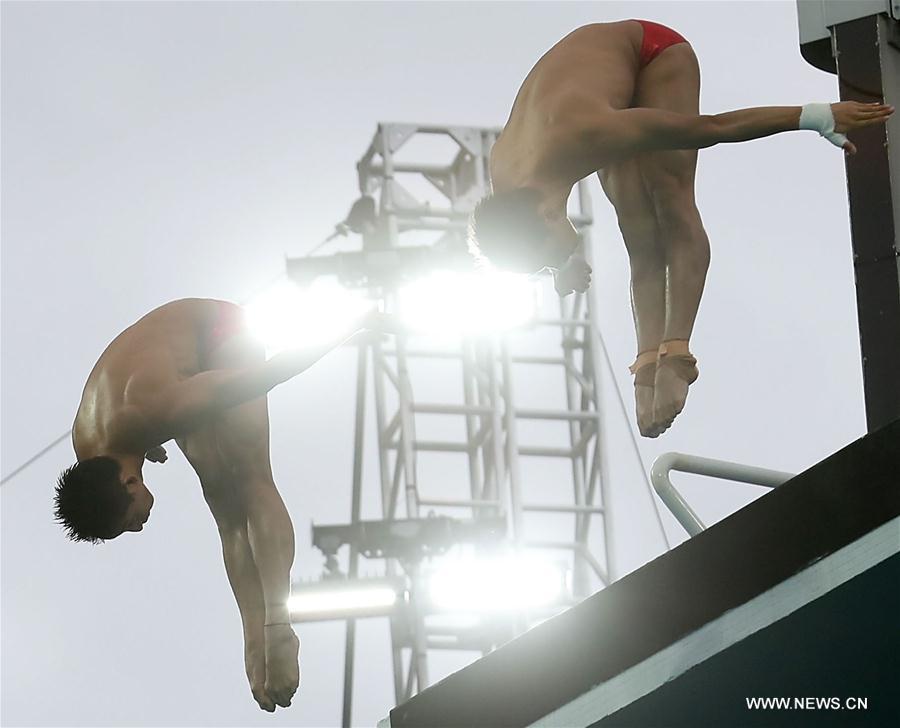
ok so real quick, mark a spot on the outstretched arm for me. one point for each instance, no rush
(631, 131)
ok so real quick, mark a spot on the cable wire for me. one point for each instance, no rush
(47, 448)
(37, 456)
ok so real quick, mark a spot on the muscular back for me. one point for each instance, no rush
(117, 409)
(591, 70)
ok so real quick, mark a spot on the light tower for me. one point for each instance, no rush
(420, 184)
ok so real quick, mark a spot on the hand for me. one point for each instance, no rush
(282, 666)
(849, 115)
(157, 454)
(255, 666)
(575, 275)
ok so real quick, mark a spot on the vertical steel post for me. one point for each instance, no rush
(868, 67)
(359, 432)
(599, 467)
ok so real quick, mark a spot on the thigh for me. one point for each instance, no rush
(242, 437)
(201, 449)
(671, 82)
(241, 433)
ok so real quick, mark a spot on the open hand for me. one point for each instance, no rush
(157, 454)
(849, 115)
(575, 275)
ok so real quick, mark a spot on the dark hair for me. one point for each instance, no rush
(90, 499)
(506, 226)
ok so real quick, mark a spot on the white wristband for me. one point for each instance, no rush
(818, 117)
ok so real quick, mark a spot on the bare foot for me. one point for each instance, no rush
(643, 405)
(670, 393)
(282, 667)
(255, 665)
(644, 371)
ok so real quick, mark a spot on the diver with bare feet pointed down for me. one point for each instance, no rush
(622, 100)
(190, 371)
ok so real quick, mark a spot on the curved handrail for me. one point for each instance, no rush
(664, 464)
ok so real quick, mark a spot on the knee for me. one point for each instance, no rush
(679, 222)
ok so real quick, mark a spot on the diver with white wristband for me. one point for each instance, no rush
(622, 100)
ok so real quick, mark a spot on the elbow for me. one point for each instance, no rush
(711, 131)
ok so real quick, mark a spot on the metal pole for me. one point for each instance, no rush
(359, 432)
(591, 364)
(868, 67)
(476, 484)
(568, 334)
(407, 430)
(387, 502)
(512, 447)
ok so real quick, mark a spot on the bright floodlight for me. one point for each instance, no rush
(322, 602)
(499, 584)
(468, 303)
(289, 317)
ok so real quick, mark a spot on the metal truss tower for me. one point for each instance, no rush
(420, 184)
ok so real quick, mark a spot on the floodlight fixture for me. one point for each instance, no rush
(345, 599)
(408, 539)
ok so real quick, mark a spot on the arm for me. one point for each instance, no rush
(632, 131)
(644, 130)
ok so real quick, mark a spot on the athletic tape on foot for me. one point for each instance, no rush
(818, 117)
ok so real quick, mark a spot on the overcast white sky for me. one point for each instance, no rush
(162, 150)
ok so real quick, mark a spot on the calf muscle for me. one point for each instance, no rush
(271, 536)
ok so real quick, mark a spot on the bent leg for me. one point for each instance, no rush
(624, 187)
(672, 82)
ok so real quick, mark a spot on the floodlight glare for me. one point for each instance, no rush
(507, 583)
(289, 317)
(468, 303)
(321, 602)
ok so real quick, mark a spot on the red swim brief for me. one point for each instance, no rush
(229, 321)
(656, 39)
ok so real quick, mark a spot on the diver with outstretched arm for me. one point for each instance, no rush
(622, 100)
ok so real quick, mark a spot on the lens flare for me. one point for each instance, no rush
(499, 584)
(289, 317)
(468, 303)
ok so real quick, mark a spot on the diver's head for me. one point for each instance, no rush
(516, 230)
(96, 501)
